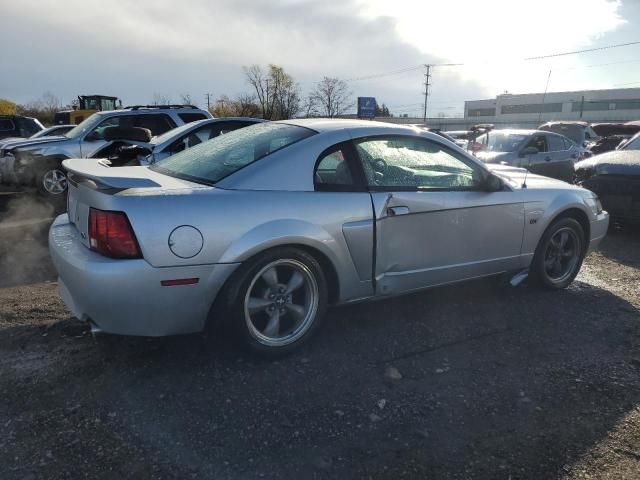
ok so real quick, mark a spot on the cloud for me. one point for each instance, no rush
(133, 49)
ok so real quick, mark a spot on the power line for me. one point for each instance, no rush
(539, 57)
(586, 50)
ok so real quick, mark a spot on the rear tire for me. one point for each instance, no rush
(277, 301)
(559, 254)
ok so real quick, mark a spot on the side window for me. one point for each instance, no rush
(191, 117)
(6, 125)
(27, 127)
(556, 143)
(538, 142)
(332, 170)
(157, 123)
(409, 162)
(122, 121)
(567, 143)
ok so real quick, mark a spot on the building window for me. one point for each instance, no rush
(532, 108)
(590, 106)
(481, 112)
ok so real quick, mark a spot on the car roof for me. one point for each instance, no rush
(332, 124)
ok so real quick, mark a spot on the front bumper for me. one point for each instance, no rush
(599, 228)
(7, 170)
(125, 296)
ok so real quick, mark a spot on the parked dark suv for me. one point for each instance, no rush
(18, 126)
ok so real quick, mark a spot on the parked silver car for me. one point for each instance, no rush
(544, 153)
(265, 226)
(169, 143)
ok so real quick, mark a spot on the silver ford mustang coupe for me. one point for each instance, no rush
(265, 226)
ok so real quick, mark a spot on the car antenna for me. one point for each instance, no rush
(524, 182)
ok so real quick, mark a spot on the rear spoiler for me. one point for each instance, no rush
(100, 172)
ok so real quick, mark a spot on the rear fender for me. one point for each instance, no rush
(277, 233)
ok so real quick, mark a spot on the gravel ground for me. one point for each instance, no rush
(472, 381)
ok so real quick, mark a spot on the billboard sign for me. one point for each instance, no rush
(366, 107)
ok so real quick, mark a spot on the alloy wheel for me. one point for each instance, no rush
(281, 302)
(562, 254)
(54, 182)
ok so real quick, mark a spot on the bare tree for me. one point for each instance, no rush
(161, 99)
(185, 99)
(43, 108)
(332, 97)
(246, 105)
(276, 92)
(309, 107)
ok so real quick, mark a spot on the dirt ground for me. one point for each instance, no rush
(473, 381)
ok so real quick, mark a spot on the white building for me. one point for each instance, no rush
(531, 109)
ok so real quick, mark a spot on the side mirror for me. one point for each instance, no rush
(492, 183)
(528, 151)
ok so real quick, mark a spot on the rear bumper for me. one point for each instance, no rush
(599, 228)
(125, 296)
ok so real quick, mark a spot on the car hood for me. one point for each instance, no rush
(516, 176)
(28, 144)
(617, 162)
(494, 157)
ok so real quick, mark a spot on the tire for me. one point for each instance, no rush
(273, 314)
(51, 181)
(559, 254)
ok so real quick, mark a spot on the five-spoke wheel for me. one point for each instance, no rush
(54, 182)
(277, 299)
(559, 255)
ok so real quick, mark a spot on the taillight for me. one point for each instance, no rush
(110, 234)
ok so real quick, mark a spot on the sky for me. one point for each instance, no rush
(134, 50)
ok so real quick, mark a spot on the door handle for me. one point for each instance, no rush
(547, 159)
(401, 210)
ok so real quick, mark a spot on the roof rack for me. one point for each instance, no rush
(160, 107)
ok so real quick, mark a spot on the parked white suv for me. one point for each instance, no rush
(39, 162)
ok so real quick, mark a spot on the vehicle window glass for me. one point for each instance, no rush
(332, 169)
(218, 158)
(555, 143)
(191, 117)
(157, 123)
(122, 121)
(500, 141)
(567, 143)
(634, 144)
(192, 139)
(409, 162)
(6, 125)
(539, 143)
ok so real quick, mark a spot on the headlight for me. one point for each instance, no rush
(594, 204)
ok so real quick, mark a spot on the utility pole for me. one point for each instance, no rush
(427, 77)
(208, 97)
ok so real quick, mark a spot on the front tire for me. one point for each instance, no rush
(559, 254)
(52, 181)
(277, 301)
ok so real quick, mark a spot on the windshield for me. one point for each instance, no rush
(633, 144)
(496, 141)
(84, 126)
(214, 160)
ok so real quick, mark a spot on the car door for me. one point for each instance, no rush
(539, 162)
(561, 159)
(94, 139)
(434, 222)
